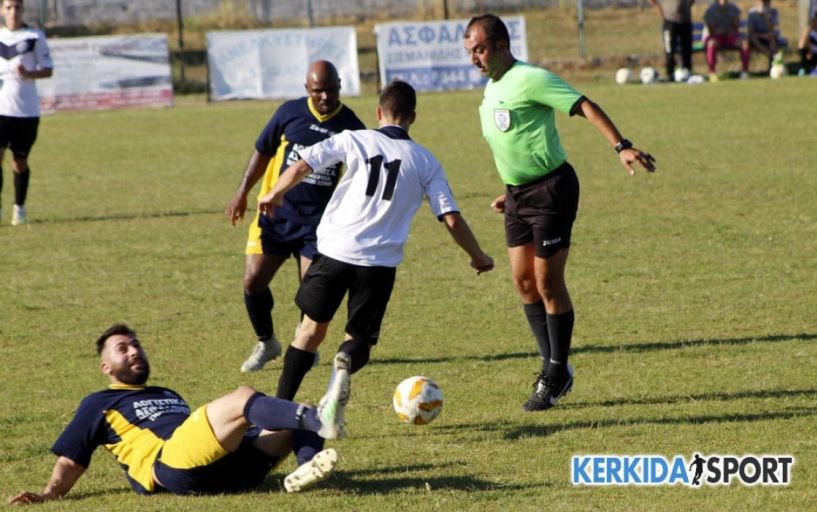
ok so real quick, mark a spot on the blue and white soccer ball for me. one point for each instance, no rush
(418, 400)
(648, 75)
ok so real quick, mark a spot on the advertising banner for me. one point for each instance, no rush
(272, 64)
(106, 72)
(430, 54)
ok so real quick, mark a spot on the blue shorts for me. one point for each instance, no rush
(192, 461)
(282, 237)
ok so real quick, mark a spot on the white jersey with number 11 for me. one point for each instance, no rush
(388, 175)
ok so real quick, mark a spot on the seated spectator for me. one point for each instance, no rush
(807, 47)
(722, 21)
(763, 28)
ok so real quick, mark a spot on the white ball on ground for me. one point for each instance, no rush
(623, 76)
(681, 75)
(418, 400)
(648, 75)
(777, 71)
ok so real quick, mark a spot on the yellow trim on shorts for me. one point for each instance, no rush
(193, 444)
(137, 448)
(268, 181)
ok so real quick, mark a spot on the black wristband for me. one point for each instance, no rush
(622, 145)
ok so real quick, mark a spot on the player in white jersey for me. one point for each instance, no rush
(24, 57)
(362, 233)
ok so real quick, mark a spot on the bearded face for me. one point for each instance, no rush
(124, 361)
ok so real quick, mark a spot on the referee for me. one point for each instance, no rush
(542, 190)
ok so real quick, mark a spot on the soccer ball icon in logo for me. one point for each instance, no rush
(418, 400)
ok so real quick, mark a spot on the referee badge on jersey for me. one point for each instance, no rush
(502, 118)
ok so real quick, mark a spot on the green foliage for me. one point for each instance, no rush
(694, 292)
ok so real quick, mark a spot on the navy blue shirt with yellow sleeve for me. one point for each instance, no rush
(296, 125)
(132, 422)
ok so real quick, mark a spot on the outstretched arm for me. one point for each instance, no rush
(462, 234)
(255, 168)
(596, 116)
(293, 175)
(65, 474)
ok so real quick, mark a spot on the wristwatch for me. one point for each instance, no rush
(622, 145)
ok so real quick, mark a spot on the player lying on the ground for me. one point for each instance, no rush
(228, 445)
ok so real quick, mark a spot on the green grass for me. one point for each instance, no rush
(694, 292)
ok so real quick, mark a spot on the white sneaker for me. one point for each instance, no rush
(744, 75)
(333, 403)
(18, 215)
(310, 473)
(264, 351)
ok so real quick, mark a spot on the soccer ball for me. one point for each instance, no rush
(418, 400)
(681, 75)
(622, 76)
(648, 75)
(777, 71)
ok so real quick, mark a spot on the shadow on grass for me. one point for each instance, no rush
(657, 400)
(547, 430)
(122, 216)
(347, 482)
(83, 495)
(591, 349)
(649, 347)
(383, 480)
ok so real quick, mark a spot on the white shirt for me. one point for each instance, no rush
(18, 96)
(388, 175)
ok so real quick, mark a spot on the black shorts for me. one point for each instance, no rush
(326, 282)
(543, 211)
(19, 134)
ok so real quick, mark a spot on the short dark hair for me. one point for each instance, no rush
(495, 29)
(113, 330)
(398, 100)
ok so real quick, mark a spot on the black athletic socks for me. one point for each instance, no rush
(560, 330)
(259, 308)
(537, 319)
(21, 186)
(358, 352)
(297, 363)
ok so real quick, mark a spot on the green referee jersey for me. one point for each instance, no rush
(518, 121)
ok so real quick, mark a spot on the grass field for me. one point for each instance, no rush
(694, 290)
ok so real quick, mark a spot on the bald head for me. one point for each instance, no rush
(323, 86)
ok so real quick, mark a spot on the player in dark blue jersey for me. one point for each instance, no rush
(296, 124)
(228, 445)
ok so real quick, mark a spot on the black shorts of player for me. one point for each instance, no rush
(327, 281)
(543, 211)
(237, 471)
(286, 237)
(19, 134)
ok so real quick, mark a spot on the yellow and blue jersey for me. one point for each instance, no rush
(132, 422)
(297, 125)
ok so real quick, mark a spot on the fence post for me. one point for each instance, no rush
(180, 26)
(310, 13)
(580, 14)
